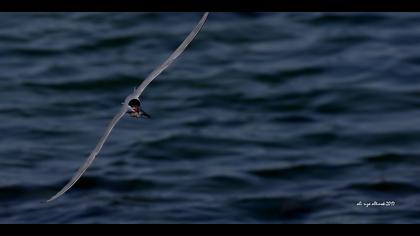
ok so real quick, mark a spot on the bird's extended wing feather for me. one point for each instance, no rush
(92, 155)
(172, 57)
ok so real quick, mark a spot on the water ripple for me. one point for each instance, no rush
(266, 118)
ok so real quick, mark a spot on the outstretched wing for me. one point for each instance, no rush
(92, 155)
(171, 58)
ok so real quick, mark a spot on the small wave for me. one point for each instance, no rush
(393, 158)
(278, 208)
(294, 119)
(289, 74)
(117, 81)
(309, 171)
(221, 183)
(362, 19)
(34, 52)
(106, 43)
(90, 183)
(387, 187)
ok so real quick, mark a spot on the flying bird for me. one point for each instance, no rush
(131, 106)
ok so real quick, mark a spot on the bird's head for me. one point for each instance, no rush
(135, 109)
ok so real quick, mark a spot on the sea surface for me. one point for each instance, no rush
(266, 118)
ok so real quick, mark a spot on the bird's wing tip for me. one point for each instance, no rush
(50, 200)
(54, 197)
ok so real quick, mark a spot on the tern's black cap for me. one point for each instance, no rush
(134, 102)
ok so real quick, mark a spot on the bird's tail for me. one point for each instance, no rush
(144, 114)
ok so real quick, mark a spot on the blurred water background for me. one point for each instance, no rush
(266, 118)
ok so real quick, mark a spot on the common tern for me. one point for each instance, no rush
(131, 106)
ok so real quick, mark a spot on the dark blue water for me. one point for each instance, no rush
(266, 118)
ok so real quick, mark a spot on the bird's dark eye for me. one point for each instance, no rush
(134, 102)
